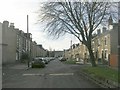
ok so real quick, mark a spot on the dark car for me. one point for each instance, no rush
(45, 60)
(37, 63)
(63, 59)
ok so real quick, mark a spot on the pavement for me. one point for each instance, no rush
(0, 82)
(16, 65)
(54, 75)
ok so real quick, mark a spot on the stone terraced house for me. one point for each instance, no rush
(14, 43)
(104, 45)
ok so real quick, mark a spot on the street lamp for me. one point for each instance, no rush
(28, 41)
(71, 49)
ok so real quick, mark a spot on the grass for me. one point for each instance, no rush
(103, 73)
(70, 62)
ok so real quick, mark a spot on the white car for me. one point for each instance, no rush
(60, 58)
(81, 61)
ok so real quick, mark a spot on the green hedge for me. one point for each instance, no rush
(38, 65)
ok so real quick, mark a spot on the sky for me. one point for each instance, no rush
(16, 11)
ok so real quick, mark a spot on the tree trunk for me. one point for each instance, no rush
(92, 57)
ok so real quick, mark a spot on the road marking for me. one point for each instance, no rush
(33, 74)
(59, 74)
(52, 74)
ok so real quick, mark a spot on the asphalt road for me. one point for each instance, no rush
(54, 75)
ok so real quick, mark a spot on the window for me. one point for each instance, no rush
(17, 41)
(102, 54)
(105, 53)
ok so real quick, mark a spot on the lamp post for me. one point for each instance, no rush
(28, 41)
(71, 49)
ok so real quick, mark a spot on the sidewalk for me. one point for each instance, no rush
(15, 66)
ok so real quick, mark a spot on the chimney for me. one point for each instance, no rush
(40, 46)
(6, 23)
(27, 35)
(12, 25)
(17, 29)
(110, 20)
(104, 29)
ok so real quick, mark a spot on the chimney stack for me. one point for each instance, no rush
(6, 23)
(12, 25)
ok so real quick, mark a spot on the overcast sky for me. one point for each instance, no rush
(16, 11)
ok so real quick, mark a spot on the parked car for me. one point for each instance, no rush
(37, 63)
(63, 59)
(45, 60)
(48, 59)
(81, 61)
(51, 58)
(60, 58)
(41, 59)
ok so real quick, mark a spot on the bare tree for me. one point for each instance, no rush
(78, 18)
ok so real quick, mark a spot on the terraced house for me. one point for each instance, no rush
(101, 46)
(14, 43)
(104, 45)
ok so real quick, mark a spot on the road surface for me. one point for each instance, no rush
(54, 75)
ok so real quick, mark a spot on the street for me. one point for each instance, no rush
(54, 75)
